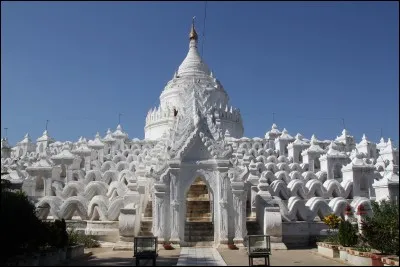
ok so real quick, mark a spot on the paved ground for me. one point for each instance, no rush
(200, 257)
(293, 257)
(108, 257)
(205, 256)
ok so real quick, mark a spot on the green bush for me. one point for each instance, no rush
(381, 231)
(22, 231)
(56, 234)
(332, 239)
(62, 233)
(347, 234)
(5, 184)
(75, 238)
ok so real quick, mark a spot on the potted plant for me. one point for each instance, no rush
(390, 260)
(232, 247)
(329, 246)
(168, 246)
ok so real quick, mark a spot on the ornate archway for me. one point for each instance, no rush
(199, 226)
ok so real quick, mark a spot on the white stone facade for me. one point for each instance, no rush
(114, 186)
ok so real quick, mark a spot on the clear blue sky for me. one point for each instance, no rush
(79, 64)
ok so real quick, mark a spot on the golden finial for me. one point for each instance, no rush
(193, 33)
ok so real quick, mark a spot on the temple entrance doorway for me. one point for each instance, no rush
(199, 222)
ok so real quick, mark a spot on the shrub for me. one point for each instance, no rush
(381, 231)
(56, 234)
(347, 235)
(64, 234)
(75, 238)
(5, 184)
(21, 230)
(332, 239)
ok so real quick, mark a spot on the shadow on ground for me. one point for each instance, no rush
(123, 261)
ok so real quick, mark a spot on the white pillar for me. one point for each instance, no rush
(100, 155)
(223, 206)
(47, 186)
(311, 164)
(254, 191)
(175, 205)
(87, 162)
(159, 212)
(239, 205)
(68, 178)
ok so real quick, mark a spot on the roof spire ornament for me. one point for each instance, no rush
(364, 138)
(193, 33)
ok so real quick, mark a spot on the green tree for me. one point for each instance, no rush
(381, 231)
(21, 230)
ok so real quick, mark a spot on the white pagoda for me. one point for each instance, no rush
(194, 179)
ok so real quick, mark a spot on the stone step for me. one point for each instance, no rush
(205, 244)
(198, 195)
(198, 199)
(198, 181)
(192, 232)
(195, 187)
(145, 233)
(146, 225)
(251, 219)
(198, 219)
(148, 211)
(253, 228)
(203, 198)
(198, 238)
(252, 225)
(198, 190)
(198, 231)
(199, 226)
(146, 228)
(200, 212)
(198, 205)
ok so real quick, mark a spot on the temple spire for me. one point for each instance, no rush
(193, 33)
